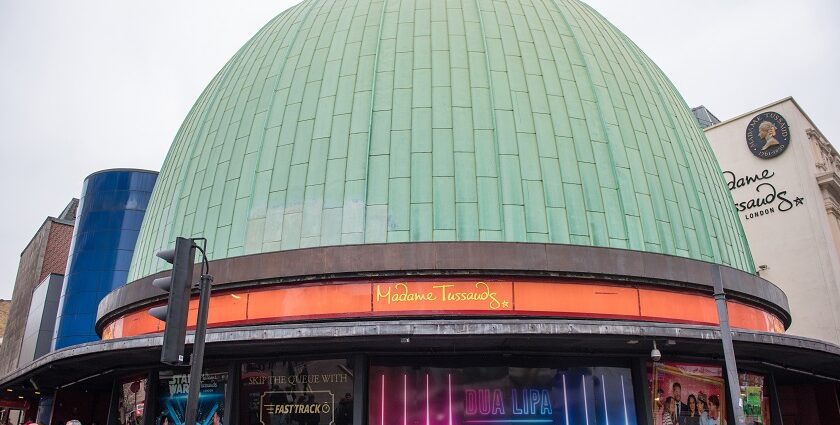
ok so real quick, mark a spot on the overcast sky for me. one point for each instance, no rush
(87, 85)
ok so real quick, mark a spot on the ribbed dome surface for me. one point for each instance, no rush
(359, 121)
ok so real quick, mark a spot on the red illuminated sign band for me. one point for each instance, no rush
(458, 297)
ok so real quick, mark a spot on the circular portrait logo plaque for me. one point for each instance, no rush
(768, 135)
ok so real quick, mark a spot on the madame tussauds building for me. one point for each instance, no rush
(447, 213)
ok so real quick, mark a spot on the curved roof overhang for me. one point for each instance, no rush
(787, 355)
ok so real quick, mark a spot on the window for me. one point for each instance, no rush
(132, 402)
(410, 395)
(172, 399)
(317, 392)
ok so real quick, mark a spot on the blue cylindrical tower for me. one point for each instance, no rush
(111, 210)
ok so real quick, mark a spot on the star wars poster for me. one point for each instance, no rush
(172, 399)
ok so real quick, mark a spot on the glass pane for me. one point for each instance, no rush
(172, 399)
(688, 394)
(318, 392)
(754, 398)
(500, 395)
(132, 402)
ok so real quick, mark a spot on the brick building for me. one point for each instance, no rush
(45, 254)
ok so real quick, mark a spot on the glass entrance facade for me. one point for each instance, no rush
(451, 390)
(487, 389)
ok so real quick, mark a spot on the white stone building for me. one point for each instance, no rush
(788, 199)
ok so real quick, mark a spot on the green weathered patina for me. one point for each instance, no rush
(368, 121)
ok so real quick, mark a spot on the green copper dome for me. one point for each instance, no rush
(365, 121)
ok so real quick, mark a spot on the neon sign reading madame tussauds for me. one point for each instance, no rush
(401, 293)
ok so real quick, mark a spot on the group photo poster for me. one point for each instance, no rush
(687, 394)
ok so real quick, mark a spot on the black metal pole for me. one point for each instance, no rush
(150, 406)
(197, 358)
(639, 374)
(775, 406)
(728, 352)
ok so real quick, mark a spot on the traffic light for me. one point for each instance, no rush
(174, 313)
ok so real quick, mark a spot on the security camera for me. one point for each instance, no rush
(655, 354)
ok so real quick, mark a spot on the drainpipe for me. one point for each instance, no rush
(728, 350)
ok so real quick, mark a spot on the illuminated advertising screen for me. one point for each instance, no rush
(500, 395)
(172, 399)
(317, 392)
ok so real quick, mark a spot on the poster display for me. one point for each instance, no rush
(317, 392)
(687, 394)
(754, 399)
(403, 395)
(172, 399)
